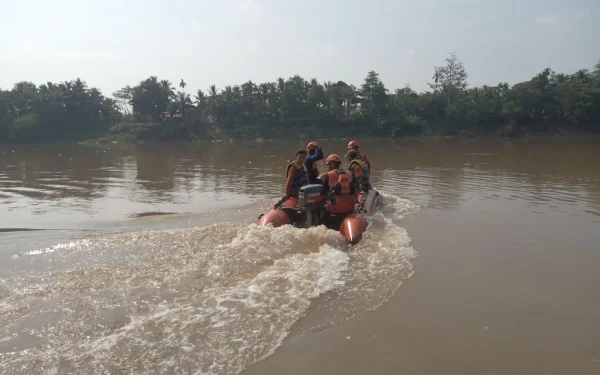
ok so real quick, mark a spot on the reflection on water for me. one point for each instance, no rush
(66, 185)
(544, 172)
(111, 183)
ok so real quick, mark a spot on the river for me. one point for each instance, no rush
(483, 257)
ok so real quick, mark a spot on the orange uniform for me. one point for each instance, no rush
(342, 191)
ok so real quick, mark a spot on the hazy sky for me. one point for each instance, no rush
(112, 43)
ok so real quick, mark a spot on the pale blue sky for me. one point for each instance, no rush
(112, 43)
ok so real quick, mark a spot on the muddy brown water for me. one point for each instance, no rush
(483, 258)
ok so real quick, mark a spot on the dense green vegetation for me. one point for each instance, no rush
(153, 109)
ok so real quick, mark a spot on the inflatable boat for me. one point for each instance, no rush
(307, 211)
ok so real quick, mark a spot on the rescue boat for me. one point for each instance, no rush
(305, 212)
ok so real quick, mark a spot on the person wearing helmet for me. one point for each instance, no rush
(340, 189)
(360, 170)
(315, 153)
(353, 145)
(297, 175)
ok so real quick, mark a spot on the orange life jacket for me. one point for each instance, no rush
(344, 199)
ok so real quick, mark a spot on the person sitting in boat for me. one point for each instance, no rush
(353, 145)
(297, 176)
(360, 171)
(362, 177)
(340, 189)
(315, 153)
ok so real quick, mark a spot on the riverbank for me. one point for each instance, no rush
(179, 130)
(141, 136)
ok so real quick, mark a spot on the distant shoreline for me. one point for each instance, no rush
(128, 139)
(411, 138)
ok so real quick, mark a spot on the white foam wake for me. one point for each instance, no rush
(208, 300)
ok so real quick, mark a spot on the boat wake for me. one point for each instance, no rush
(203, 300)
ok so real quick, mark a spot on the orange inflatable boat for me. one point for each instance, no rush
(306, 211)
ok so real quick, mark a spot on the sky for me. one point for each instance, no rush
(113, 43)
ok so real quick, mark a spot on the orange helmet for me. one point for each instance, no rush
(310, 146)
(333, 157)
(352, 144)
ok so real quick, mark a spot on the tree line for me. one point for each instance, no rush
(549, 102)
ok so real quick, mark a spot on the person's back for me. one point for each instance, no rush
(353, 145)
(339, 186)
(315, 153)
(360, 170)
(343, 191)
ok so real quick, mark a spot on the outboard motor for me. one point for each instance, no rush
(310, 202)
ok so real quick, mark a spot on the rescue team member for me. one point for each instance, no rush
(341, 191)
(315, 153)
(360, 171)
(353, 145)
(297, 175)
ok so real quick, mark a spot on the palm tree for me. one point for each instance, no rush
(213, 91)
(264, 100)
(183, 103)
(213, 102)
(237, 92)
(79, 87)
(200, 103)
(348, 96)
(281, 97)
(332, 95)
(228, 102)
(582, 75)
(169, 89)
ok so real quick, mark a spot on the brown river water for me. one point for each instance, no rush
(482, 258)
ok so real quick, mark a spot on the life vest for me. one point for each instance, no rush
(364, 159)
(342, 197)
(365, 174)
(313, 173)
(301, 176)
